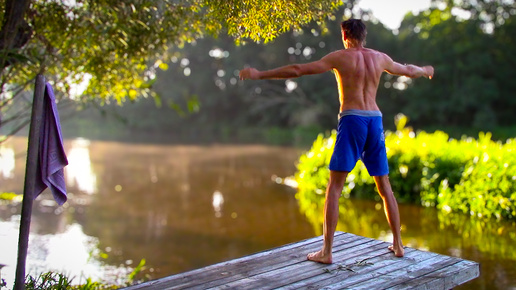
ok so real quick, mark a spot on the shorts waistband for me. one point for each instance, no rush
(362, 113)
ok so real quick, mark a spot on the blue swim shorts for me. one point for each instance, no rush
(360, 135)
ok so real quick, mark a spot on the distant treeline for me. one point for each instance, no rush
(201, 98)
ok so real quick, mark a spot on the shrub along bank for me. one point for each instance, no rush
(473, 176)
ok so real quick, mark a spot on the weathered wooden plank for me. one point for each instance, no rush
(227, 267)
(286, 263)
(349, 266)
(444, 278)
(311, 270)
(408, 273)
(373, 261)
(393, 273)
(266, 263)
(302, 269)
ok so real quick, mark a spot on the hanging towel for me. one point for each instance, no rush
(52, 158)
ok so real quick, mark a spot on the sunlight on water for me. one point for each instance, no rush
(79, 171)
(198, 205)
(7, 162)
(153, 173)
(218, 201)
(71, 252)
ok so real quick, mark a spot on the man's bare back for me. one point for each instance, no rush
(358, 72)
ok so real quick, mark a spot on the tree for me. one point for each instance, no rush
(489, 13)
(472, 87)
(224, 109)
(110, 49)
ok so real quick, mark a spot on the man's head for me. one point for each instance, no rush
(354, 31)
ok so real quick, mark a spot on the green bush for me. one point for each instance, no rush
(487, 186)
(477, 177)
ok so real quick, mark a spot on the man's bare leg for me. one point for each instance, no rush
(391, 212)
(331, 216)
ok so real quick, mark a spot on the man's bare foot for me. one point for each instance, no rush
(320, 257)
(398, 251)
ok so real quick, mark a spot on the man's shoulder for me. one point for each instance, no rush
(335, 55)
(374, 51)
(379, 56)
(337, 52)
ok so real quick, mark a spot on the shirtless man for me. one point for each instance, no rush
(360, 130)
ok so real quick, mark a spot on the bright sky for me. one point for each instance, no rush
(391, 12)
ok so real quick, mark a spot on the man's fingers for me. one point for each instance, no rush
(430, 71)
(243, 73)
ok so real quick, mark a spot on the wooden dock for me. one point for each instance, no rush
(358, 263)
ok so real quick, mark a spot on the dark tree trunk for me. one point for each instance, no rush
(15, 30)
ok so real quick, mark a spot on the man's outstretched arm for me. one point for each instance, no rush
(288, 71)
(408, 70)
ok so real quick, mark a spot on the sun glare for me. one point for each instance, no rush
(79, 171)
(290, 86)
(7, 162)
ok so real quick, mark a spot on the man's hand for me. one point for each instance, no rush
(429, 71)
(249, 74)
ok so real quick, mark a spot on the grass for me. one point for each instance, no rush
(57, 281)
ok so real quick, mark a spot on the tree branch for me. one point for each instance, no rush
(15, 30)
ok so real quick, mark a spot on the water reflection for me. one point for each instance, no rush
(70, 252)
(178, 207)
(207, 204)
(7, 162)
(153, 174)
(185, 207)
(217, 202)
(79, 172)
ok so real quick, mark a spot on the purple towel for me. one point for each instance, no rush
(52, 157)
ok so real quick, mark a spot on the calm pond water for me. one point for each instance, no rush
(185, 207)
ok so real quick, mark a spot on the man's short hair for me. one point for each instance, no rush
(354, 29)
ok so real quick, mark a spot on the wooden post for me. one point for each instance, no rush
(30, 180)
(1, 266)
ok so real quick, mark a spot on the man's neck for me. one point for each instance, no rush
(353, 44)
